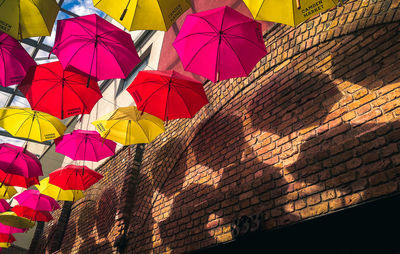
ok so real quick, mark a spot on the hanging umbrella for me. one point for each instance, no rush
(288, 12)
(30, 124)
(17, 180)
(57, 193)
(74, 177)
(32, 214)
(4, 229)
(7, 192)
(127, 125)
(85, 145)
(7, 238)
(17, 160)
(167, 94)
(220, 44)
(4, 206)
(60, 93)
(14, 61)
(96, 47)
(26, 18)
(11, 219)
(134, 15)
(35, 200)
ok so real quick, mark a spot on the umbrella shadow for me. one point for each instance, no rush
(106, 210)
(70, 233)
(91, 246)
(286, 106)
(371, 63)
(87, 219)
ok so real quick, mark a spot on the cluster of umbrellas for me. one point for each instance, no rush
(218, 44)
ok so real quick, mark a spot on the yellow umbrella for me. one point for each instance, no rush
(128, 125)
(31, 124)
(26, 18)
(7, 192)
(144, 14)
(289, 12)
(57, 193)
(11, 219)
(5, 245)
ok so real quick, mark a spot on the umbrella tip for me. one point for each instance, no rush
(123, 15)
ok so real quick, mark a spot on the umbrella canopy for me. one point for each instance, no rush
(4, 206)
(7, 192)
(4, 229)
(127, 125)
(288, 12)
(60, 93)
(13, 220)
(167, 94)
(17, 180)
(26, 18)
(32, 214)
(134, 15)
(85, 145)
(57, 193)
(17, 160)
(96, 47)
(7, 238)
(35, 200)
(30, 124)
(220, 44)
(74, 177)
(14, 61)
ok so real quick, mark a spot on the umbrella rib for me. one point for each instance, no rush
(77, 150)
(148, 97)
(184, 102)
(202, 47)
(244, 38)
(84, 28)
(94, 149)
(66, 40)
(4, 66)
(76, 52)
(44, 94)
(110, 51)
(77, 94)
(16, 133)
(40, 129)
(202, 33)
(230, 46)
(40, 11)
(208, 22)
(251, 21)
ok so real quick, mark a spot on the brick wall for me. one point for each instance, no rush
(315, 128)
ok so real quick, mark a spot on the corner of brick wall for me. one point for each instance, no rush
(314, 129)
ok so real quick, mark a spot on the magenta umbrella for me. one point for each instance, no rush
(96, 47)
(18, 161)
(85, 145)
(4, 206)
(14, 61)
(4, 229)
(36, 201)
(220, 44)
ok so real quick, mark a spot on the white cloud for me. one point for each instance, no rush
(84, 7)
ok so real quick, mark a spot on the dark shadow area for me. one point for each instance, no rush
(106, 210)
(367, 55)
(369, 229)
(289, 104)
(69, 238)
(90, 246)
(87, 219)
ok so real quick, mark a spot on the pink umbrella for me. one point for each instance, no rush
(220, 44)
(95, 47)
(16, 160)
(14, 61)
(4, 229)
(4, 206)
(85, 145)
(36, 201)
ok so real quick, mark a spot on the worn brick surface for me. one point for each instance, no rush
(313, 129)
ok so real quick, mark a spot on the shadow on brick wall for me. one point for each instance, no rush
(106, 210)
(368, 58)
(284, 106)
(87, 219)
(69, 238)
(91, 246)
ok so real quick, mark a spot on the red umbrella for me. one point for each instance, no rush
(32, 214)
(220, 44)
(167, 94)
(14, 61)
(60, 93)
(7, 238)
(96, 47)
(17, 180)
(74, 177)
